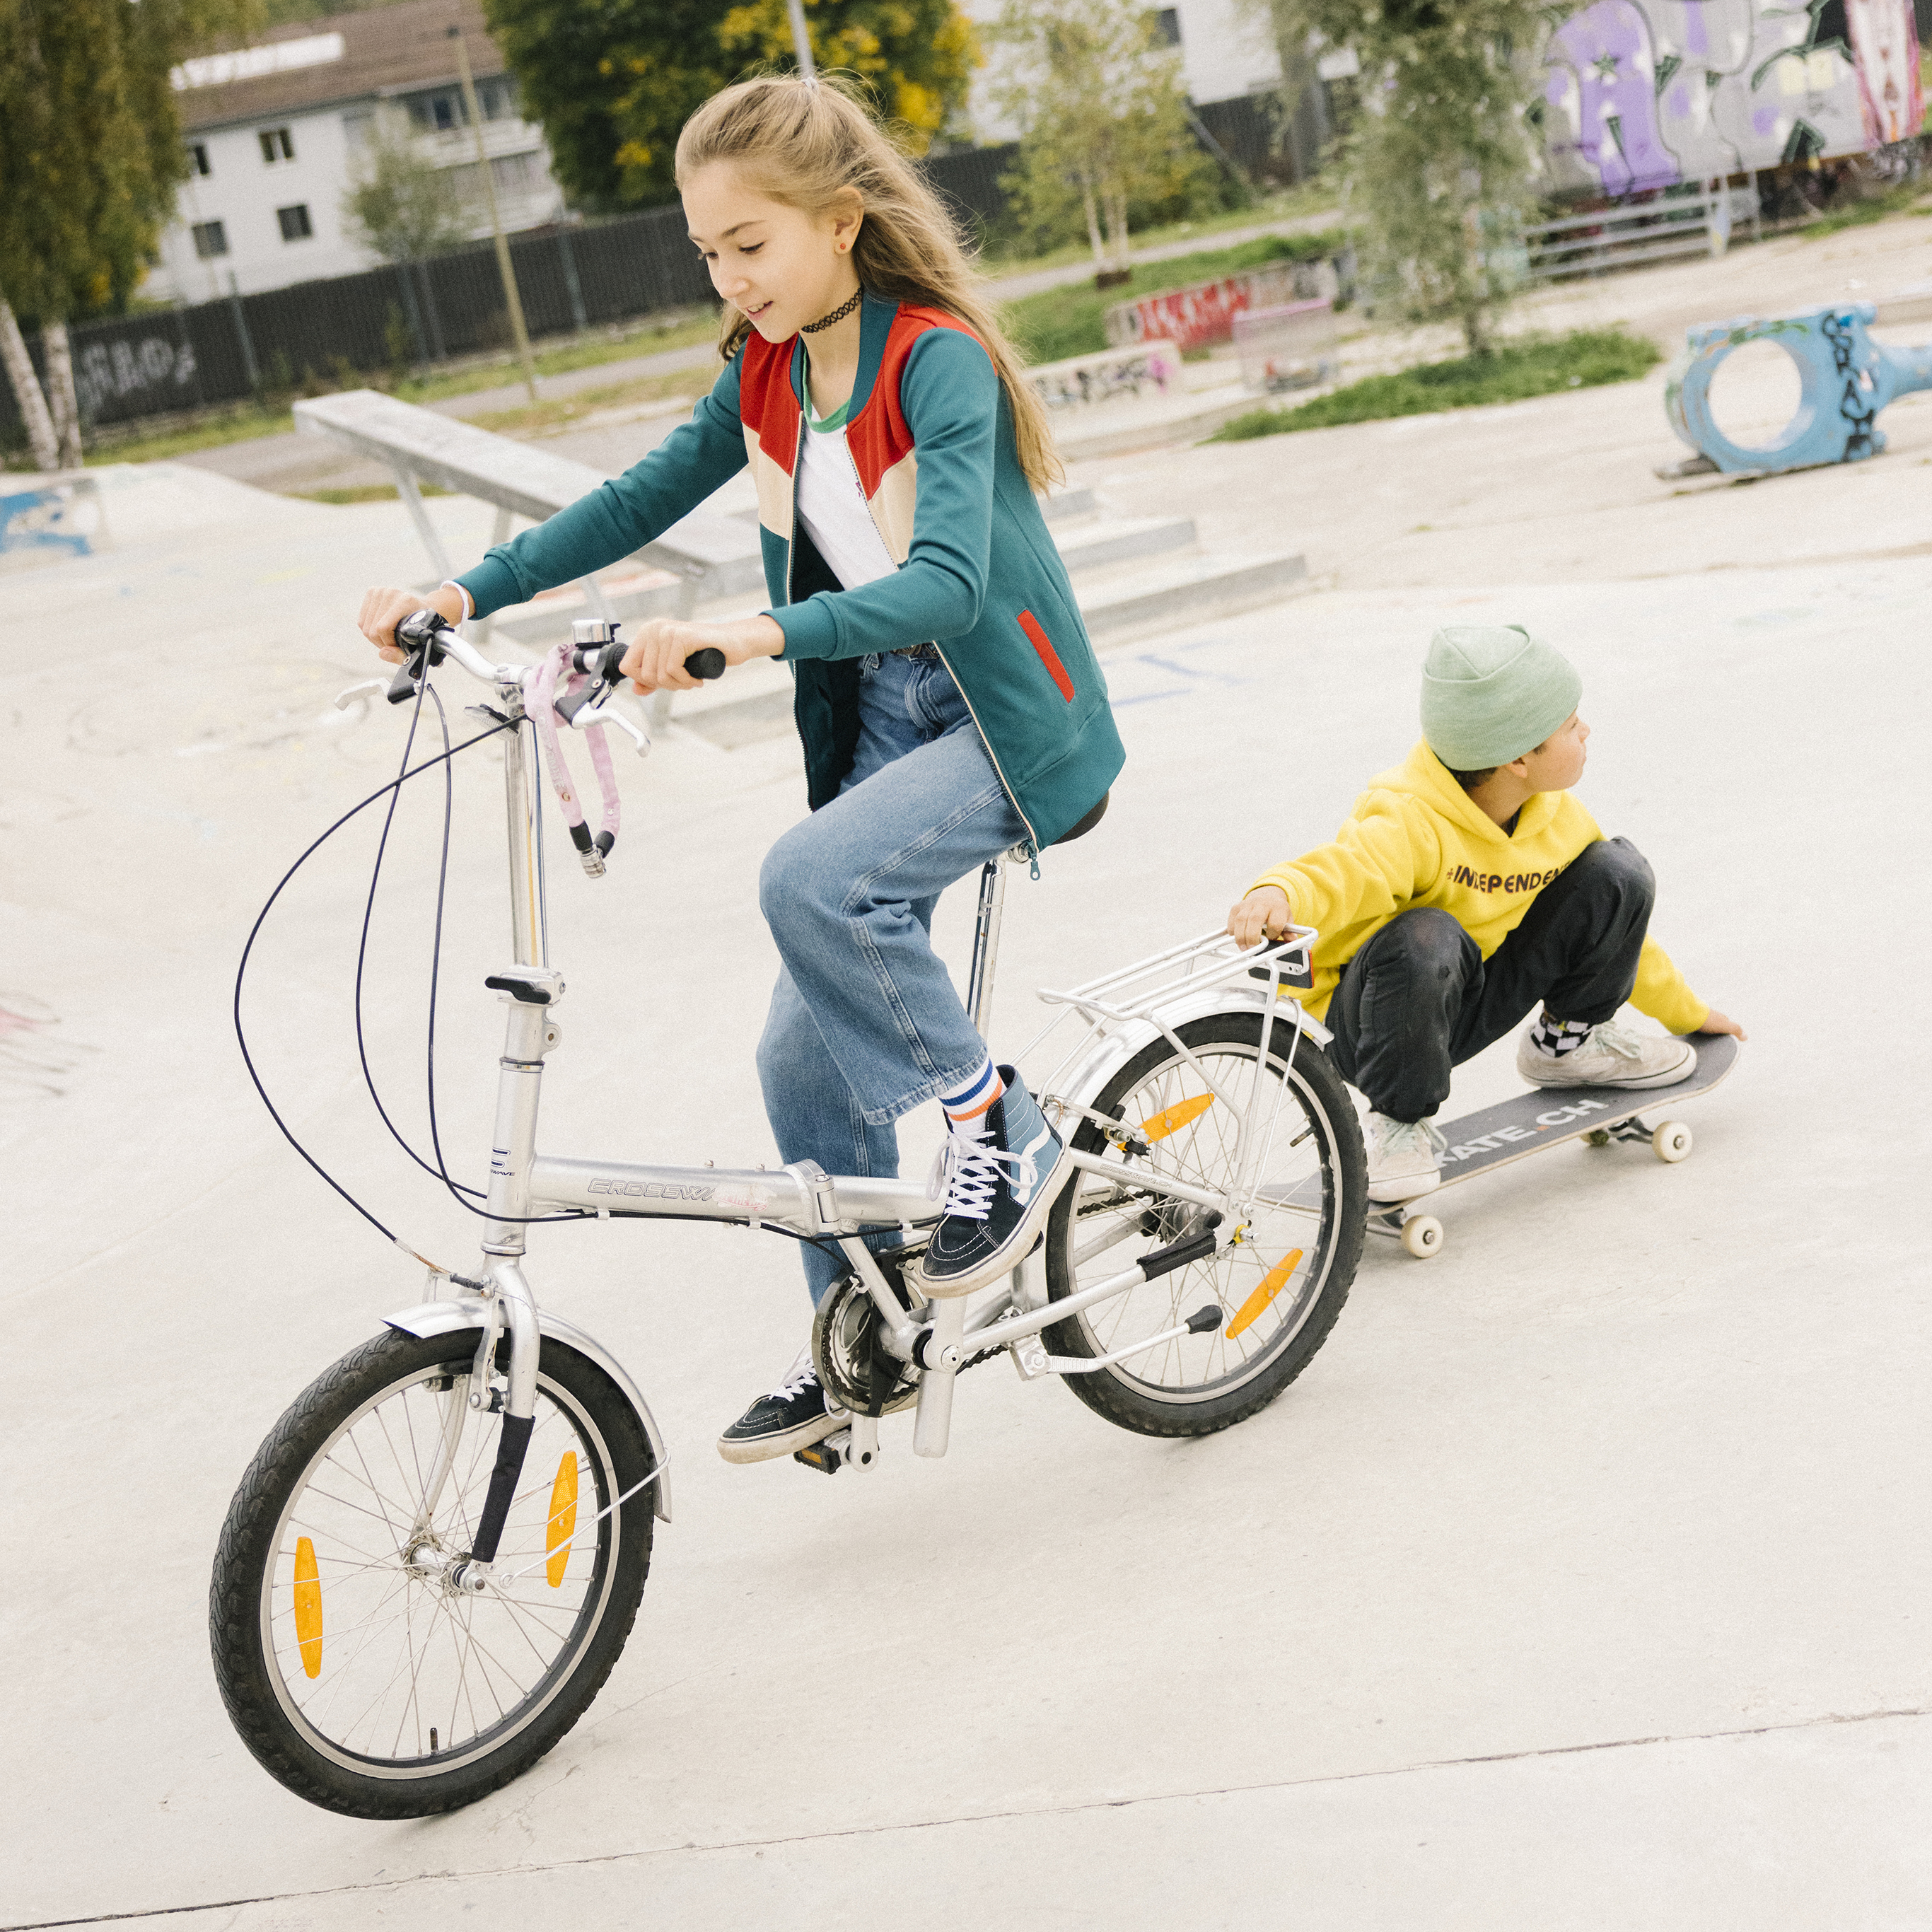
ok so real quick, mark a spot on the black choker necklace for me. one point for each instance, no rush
(838, 314)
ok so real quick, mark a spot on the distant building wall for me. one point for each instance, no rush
(273, 131)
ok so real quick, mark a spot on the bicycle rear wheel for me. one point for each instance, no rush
(360, 1678)
(1280, 1285)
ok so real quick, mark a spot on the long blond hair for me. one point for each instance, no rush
(804, 143)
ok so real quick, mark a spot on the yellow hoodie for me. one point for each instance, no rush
(1416, 839)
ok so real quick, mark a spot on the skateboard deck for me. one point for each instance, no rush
(1547, 1117)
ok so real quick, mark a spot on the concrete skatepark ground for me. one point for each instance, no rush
(1580, 1581)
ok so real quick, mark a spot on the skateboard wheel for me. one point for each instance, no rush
(1422, 1236)
(1671, 1141)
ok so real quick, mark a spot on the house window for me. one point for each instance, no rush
(1167, 27)
(444, 111)
(197, 155)
(210, 239)
(295, 222)
(276, 145)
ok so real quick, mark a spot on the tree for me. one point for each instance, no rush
(613, 81)
(1441, 160)
(918, 56)
(401, 206)
(90, 152)
(1103, 115)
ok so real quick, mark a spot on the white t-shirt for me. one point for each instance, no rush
(832, 507)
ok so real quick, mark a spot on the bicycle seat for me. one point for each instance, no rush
(1081, 826)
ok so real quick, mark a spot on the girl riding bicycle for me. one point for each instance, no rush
(947, 696)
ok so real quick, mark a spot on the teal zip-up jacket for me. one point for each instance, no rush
(931, 435)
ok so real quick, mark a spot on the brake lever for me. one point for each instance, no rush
(344, 699)
(604, 714)
(602, 665)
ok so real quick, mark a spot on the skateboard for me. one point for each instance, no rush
(1547, 1117)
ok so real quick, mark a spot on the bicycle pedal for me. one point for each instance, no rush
(828, 1455)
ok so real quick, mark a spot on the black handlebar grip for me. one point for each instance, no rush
(707, 663)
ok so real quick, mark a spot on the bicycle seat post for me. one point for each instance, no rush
(986, 943)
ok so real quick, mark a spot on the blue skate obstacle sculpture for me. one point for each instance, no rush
(1846, 377)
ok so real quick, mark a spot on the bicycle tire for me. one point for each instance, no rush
(1124, 1393)
(578, 1404)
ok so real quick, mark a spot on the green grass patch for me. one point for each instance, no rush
(1070, 321)
(366, 492)
(1315, 198)
(1910, 198)
(1583, 359)
(240, 425)
(647, 338)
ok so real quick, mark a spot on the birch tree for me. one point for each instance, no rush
(91, 150)
(1103, 115)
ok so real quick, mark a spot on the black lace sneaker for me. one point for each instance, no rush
(793, 1416)
(998, 1190)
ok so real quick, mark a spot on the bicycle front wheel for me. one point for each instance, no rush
(1279, 1285)
(360, 1677)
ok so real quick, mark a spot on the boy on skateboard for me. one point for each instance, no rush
(1467, 885)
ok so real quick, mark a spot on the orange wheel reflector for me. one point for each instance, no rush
(308, 1606)
(1170, 1120)
(1272, 1282)
(562, 1518)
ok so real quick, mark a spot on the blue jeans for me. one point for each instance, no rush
(865, 1022)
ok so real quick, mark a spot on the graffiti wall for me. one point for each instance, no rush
(1641, 93)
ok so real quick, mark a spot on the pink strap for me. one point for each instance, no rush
(542, 708)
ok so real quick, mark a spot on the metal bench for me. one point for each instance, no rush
(711, 556)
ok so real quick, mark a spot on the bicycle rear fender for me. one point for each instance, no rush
(1114, 1048)
(443, 1318)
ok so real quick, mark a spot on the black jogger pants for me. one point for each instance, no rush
(1419, 998)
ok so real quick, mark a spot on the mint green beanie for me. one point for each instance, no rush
(1490, 692)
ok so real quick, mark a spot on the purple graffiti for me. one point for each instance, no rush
(1608, 46)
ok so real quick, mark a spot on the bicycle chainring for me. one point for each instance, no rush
(845, 1346)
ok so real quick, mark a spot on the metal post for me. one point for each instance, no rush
(504, 267)
(499, 531)
(406, 488)
(986, 943)
(412, 315)
(801, 41)
(528, 933)
(432, 321)
(250, 366)
(579, 317)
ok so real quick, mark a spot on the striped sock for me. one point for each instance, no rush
(967, 1108)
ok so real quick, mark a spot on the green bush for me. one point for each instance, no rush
(1071, 320)
(1583, 359)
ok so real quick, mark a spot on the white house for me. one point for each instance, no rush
(1227, 51)
(273, 129)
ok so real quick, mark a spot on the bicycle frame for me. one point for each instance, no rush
(801, 1199)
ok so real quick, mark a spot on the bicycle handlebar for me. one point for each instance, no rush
(429, 638)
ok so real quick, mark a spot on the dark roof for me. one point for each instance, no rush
(385, 50)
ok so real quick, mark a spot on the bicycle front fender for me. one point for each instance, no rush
(444, 1318)
(1113, 1049)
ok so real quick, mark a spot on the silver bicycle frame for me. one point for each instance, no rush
(800, 1199)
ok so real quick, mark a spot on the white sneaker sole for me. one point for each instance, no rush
(769, 1448)
(1668, 1076)
(1011, 1251)
(1405, 1186)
